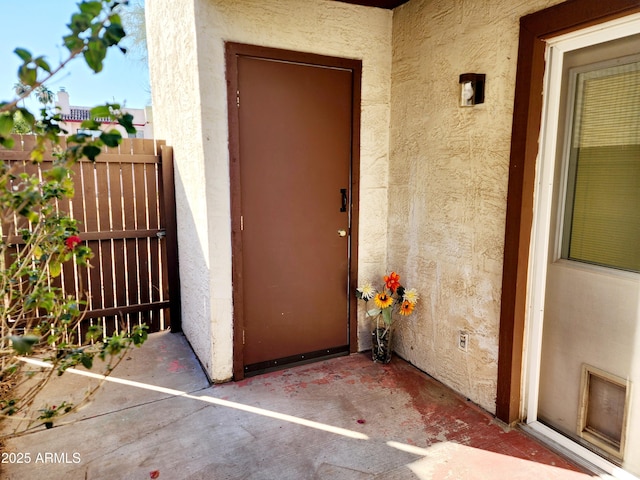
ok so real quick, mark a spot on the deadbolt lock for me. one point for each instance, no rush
(342, 233)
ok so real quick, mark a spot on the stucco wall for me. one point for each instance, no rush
(189, 98)
(173, 69)
(444, 185)
(448, 182)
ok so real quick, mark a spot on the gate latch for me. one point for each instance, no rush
(161, 233)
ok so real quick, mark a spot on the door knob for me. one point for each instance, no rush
(342, 233)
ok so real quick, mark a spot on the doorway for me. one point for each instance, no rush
(584, 308)
(294, 175)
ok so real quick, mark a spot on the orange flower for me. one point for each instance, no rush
(383, 300)
(392, 281)
(406, 308)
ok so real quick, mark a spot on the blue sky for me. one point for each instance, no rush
(38, 26)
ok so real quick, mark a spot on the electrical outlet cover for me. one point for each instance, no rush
(463, 341)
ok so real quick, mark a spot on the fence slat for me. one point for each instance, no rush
(141, 223)
(77, 202)
(168, 207)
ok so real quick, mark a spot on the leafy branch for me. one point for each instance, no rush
(37, 236)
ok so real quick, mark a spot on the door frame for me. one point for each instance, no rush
(535, 29)
(232, 51)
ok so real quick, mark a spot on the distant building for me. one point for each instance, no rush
(73, 116)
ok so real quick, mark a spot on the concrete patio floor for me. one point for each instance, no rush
(340, 419)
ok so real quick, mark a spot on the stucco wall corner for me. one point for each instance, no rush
(317, 26)
(173, 70)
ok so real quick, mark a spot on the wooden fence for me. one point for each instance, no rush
(125, 207)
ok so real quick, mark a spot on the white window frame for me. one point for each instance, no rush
(562, 238)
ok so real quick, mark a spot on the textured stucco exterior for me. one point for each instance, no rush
(187, 67)
(433, 175)
(448, 182)
(439, 170)
(173, 69)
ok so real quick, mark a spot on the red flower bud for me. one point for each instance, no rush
(72, 241)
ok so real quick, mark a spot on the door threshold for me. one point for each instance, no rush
(581, 456)
(294, 361)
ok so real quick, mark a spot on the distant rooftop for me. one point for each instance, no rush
(80, 114)
(77, 113)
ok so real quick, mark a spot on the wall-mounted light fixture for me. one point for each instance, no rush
(471, 89)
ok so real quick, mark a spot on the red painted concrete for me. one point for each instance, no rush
(462, 441)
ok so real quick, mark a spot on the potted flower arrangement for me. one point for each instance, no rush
(393, 297)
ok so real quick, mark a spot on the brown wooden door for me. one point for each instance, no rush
(291, 262)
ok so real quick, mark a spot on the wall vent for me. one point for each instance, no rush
(602, 416)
